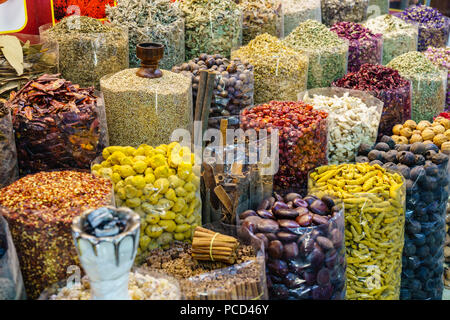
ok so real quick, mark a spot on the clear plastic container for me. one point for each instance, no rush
(211, 27)
(334, 11)
(298, 11)
(279, 72)
(353, 118)
(441, 58)
(377, 8)
(261, 16)
(84, 55)
(374, 226)
(8, 154)
(243, 280)
(302, 147)
(64, 129)
(304, 259)
(11, 283)
(399, 37)
(161, 184)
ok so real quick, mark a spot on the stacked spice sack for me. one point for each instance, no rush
(425, 170)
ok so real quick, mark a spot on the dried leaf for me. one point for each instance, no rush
(12, 50)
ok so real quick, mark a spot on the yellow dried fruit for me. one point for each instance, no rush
(438, 129)
(445, 147)
(428, 134)
(422, 125)
(410, 124)
(439, 139)
(403, 140)
(406, 132)
(447, 133)
(443, 122)
(415, 138)
(396, 129)
(396, 138)
(428, 142)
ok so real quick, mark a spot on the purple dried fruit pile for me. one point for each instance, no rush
(57, 125)
(387, 85)
(304, 245)
(364, 45)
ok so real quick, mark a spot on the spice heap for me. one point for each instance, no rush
(364, 46)
(88, 48)
(211, 26)
(280, 72)
(39, 209)
(441, 57)
(298, 11)
(206, 280)
(302, 135)
(374, 200)
(160, 185)
(427, 81)
(158, 21)
(208, 245)
(57, 125)
(8, 153)
(353, 119)
(140, 287)
(387, 85)
(334, 11)
(304, 244)
(141, 110)
(399, 37)
(434, 27)
(426, 179)
(437, 133)
(261, 16)
(377, 8)
(326, 51)
(233, 90)
(21, 61)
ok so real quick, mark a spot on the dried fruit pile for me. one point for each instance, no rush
(57, 125)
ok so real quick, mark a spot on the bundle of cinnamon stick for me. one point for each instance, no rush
(213, 246)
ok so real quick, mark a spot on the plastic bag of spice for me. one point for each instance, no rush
(159, 21)
(327, 53)
(399, 36)
(57, 125)
(387, 85)
(425, 170)
(11, 283)
(161, 184)
(278, 70)
(34, 58)
(334, 11)
(441, 58)
(8, 154)
(374, 204)
(304, 244)
(364, 46)
(261, 16)
(233, 90)
(245, 279)
(434, 27)
(302, 143)
(40, 220)
(353, 118)
(211, 26)
(88, 48)
(298, 11)
(428, 84)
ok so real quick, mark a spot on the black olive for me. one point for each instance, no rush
(364, 149)
(439, 158)
(361, 159)
(390, 166)
(420, 160)
(432, 146)
(389, 141)
(404, 170)
(390, 156)
(430, 154)
(381, 146)
(406, 158)
(374, 162)
(402, 147)
(375, 155)
(418, 148)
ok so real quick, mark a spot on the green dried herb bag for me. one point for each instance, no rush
(88, 48)
(159, 21)
(211, 26)
(298, 11)
(334, 11)
(279, 72)
(261, 16)
(328, 54)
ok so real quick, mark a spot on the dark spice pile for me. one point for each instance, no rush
(57, 125)
(364, 46)
(302, 135)
(8, 154)
(208, 280)
(39, 209)
(387, 85)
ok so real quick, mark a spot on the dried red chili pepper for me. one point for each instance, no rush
(57, 125)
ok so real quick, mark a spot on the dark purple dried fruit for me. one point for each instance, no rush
(381, 146)
(264, 239)
(323, 277)
(300, 203)
(418, 148)
(318, 220)
(246, 214)
(267, 226)
(265, 214)
(264, 205)
(328, 201)
(290, 251)
(390, 156)
(319, 207)
(287, 237)
(278, 205)
(389, 141)
(291, 197)
(275, 249)
(406, 157)
(286, 213)
(404, 170)
(304, 220)
(325, 243)
(288, 224)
